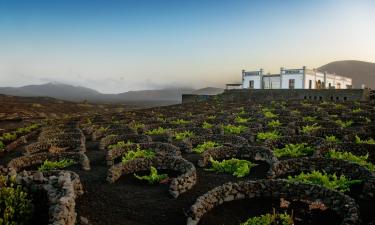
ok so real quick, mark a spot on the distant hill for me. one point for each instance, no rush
(360, 72)
(78, 94)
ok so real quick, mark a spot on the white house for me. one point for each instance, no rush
(294, 79)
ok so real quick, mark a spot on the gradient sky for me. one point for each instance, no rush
(121, 45)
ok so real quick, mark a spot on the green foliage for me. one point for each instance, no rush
(120, 144)
(183, 135)
(369, 141)
(180, 122)
(309, 118)
(103, 129)
(295, 112)
(239, 119)
(237, 167)
(27, 129)
(332, 138)
(270, 219)
(360, 160)
(15, 204)
(157, 131)
(207, 125)
(274, 123)
(339, 106)
(8, 137)
(344, 124)
(270, 115)
(161, 119)
(211, 117)
(306, 105)
(233, 129)
(206, 145)
(310, 128)
(2, 146)
(154, 177)
(52, 165)
(294, 150)
(357, 110)
(134, 125)
(330, 181)
(269, 135)
(138, 153)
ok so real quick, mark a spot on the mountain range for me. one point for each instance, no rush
(78, 94)
(360, 72)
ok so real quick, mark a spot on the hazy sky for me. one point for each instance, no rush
(120, 45)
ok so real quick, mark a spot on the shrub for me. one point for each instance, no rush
(357, 110)
(136, 125)
(232, 129)
(212, 117)
(207, 125)
(294, 150)
(270, 115)
(103, 129)
(295, 112)
(269, 135)
(369, 141)
(360, 160)
(120, 144)
(330, 181)
(206, 145)
(15, 204)
(157, 131)
(138, 153)
(28, 129)
(154, 177)
(2, 146)
(52, 165)
(309, 118)
(339, 106)
(237, 167)
(310, 128)
(270, 219)
(183, 135)
(7, 137)
(344, 124)
(161, 119)
(332, 138)
(180, 122)
(239, 119)
(274, 123)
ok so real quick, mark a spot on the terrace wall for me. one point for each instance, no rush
(297, 94)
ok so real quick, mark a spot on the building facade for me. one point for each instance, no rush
(293, 79)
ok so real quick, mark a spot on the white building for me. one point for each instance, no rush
(293, 79)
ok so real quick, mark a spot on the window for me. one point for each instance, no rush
(291, 83)
(310, 84)
(251, 84)
(329, 85)
(338, 86)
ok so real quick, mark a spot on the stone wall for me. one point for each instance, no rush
(178, 185)
(62, 188)
(296, 94)
(308, 164)
(22, 162)
(343, 205)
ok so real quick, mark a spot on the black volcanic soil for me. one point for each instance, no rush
(131, 202)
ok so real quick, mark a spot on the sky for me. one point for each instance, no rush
(120, 45)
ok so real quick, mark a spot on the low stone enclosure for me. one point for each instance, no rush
(343, 205)
(178, 185)
(161, 149)
(113, 139)
(308, 164)
(62, 189)
(255, 153)
(20, 163)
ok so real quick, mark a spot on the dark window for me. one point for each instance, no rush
(345, 98)
(337, 98)
(310, 84)
(331, 97)
(320, 98)
(291, 83)
(314, 97)
(305, 97)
